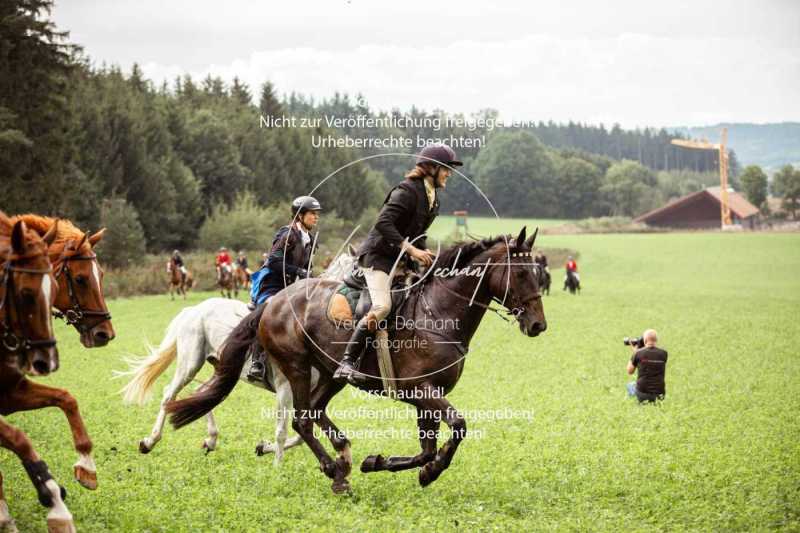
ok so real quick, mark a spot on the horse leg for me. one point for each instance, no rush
(190, 361)
(6, 522)
(29, 395)
(210, 443)
(428, 427)
(458, 427)
(303, 424)
(59, 519)
(325, 390)
(283, 392)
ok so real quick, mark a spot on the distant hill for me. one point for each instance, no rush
(767, 145)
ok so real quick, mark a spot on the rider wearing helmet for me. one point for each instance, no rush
(241, 261)
(177, 260)
(223, 260)
(571, 270)
(288, 260)
(407, 212)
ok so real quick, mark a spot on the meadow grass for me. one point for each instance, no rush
(721, 453)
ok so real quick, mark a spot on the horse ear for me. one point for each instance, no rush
(50, 236)
(518, 242)
(96, 237)
(83, 240)
(532, 239)
(18, 237)
(352, 250)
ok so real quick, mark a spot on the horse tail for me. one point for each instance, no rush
(233, 354)
(146, 370)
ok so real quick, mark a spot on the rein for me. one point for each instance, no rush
(75, 314)
(488, 307)
(11, 341)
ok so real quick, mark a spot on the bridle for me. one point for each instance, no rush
(512, 309)
(13, 342)
(75, 314)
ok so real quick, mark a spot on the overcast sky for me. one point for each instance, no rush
(639, 63)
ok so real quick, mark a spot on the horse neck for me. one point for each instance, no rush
(457, 295)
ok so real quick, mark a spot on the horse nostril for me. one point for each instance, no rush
(41, 367)
(101, 335)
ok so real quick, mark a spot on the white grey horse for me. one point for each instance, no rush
(196, 333)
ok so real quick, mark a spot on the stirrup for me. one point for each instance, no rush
(348, 372)
(255, 373)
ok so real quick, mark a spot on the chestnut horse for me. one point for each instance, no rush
(27, 293)
(227, 282)
(242, 277)
(177, 281)
(298, 335)
(80, 300)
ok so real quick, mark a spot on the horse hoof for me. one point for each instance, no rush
(262, 449)
(208, 449)
(143, 448)
(371, 463)
(341, 487)
(86, 478)
(427, 475)
(60, 525)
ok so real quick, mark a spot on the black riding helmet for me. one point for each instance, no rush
(440, 154)
(301, 204)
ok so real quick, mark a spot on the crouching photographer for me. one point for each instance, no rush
(651, 363)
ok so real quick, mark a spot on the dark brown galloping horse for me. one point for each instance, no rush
(297, 333)
(27, 293)
(177, 281)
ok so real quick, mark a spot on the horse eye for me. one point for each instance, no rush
(81, 280)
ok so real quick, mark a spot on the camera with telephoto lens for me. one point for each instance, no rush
(638, 342)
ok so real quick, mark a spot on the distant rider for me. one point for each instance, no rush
(222, 261)
(177, 260)
(572, 270)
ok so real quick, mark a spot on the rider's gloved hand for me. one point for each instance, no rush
(302, 273)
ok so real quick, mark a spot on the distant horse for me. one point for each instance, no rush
(294, 328)
(178, 282)
(242, 277)
(193, 337)
(27, 293)
(572, 283)
(544, 279)
(227, 282)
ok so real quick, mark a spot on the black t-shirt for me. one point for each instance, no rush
(651, 364)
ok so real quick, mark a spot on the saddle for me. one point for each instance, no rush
(351, 300)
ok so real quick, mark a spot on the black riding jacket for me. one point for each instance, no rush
(297, 258)
(405, 214)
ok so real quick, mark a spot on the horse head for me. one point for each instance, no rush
(517, 284)
(27, 293)
(80, 298)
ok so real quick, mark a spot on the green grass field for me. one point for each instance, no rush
(722, 453)
(444, 225)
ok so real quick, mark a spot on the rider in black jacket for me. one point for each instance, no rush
(288, 260)
(407, 212)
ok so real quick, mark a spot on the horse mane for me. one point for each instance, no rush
(66, 230)
(468, 249)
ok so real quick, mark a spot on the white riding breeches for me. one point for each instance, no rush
(379, 292)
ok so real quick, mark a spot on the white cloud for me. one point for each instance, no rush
(634, 79)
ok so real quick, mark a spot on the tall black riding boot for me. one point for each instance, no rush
(348, 368)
